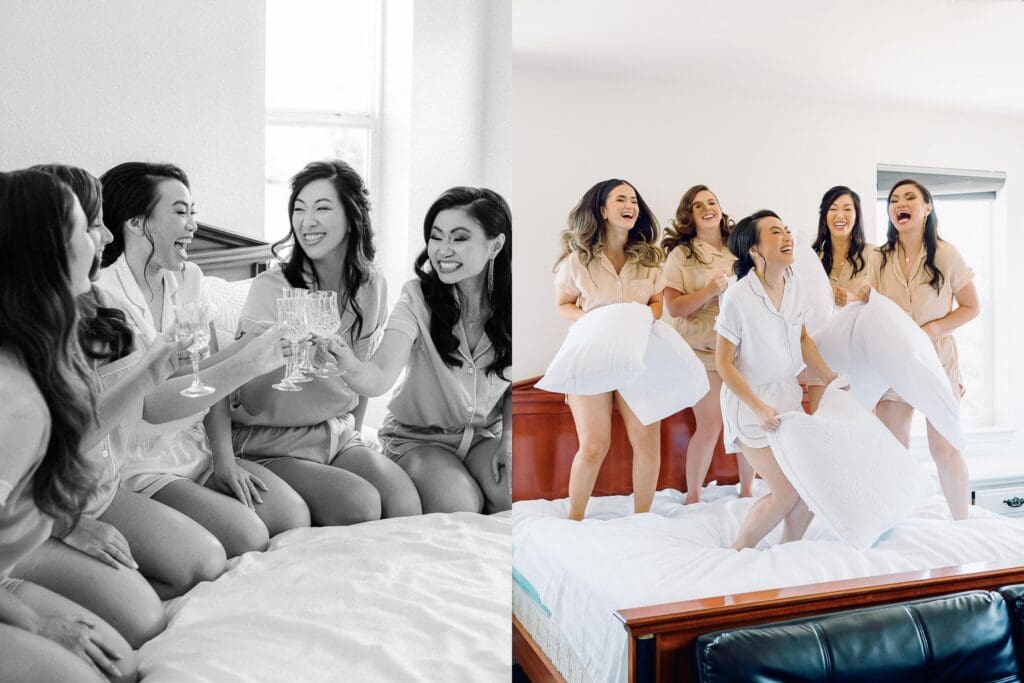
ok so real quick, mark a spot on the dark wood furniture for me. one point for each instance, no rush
(228, 255)
(662, 637)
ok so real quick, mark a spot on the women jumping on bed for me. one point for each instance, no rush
(609, 255)
(697, 265)
(846, 258)
(311, 438)
(47, 393)
(448, 423)
(187, 464)
(926, 275)
(762, 347)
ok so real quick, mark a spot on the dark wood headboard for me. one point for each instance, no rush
(226, 254)
(544, 442)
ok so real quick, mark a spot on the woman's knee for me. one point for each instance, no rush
(246, 534)
(404, 501)
(459, 496)
(145, 619)
(593, 451)
(359, 502)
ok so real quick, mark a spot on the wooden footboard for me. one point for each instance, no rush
(662, 637)
(544, 442)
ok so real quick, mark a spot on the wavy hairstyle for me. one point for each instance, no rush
(355, 200)
(37, 306)
(103, 332)
(823, 242)
(931, 235)
(744, 237)
(585, 235)
(492, 212)
(130, 191)
(682, 229)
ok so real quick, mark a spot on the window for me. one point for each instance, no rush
(971, 217)
(323, 66)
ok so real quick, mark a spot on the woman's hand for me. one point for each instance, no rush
(932, 330)
(102, 541)
(267, 350)
(343, 354)
(239, 482)
(502, 460)
(716, 285)
(843, 297)
(766, 416)
(164, 355)
(78, 634)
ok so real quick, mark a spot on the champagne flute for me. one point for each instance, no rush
(325, 320)
(193, 321)
(291, 316)
(303, 365)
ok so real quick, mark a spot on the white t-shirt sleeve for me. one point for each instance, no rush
(730, 321)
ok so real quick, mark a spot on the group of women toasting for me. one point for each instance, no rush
(116, 491)
(751, 334)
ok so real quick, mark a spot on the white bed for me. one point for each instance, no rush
(580, 573)
(410, 599)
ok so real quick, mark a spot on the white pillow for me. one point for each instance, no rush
(848, 467)
(903, 354)
(814, 283)
(228, 299)
(674, 378)
(603, 351)
(879, 346)
(835, 342)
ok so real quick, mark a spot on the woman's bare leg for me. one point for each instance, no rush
(442, 480)
(335, 496)
(952, 470)
(896, 415)
(646, 443)
(398, 496)
(238, 528)
(121, 597)
(593, 418)
(772, 508)
(173, 551)
(708, 414)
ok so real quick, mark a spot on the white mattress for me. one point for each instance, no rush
(583, 572)
(411, 599)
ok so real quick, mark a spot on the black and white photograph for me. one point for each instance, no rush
(767, 422)
(255, 340)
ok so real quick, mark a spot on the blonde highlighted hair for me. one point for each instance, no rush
(585, 234)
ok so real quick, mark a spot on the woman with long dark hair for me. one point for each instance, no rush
(697, 265)
(609, 255)
(448, 424)
(187, 464)
(311, 438)
(762, 346)
(847, 259)
(926, 276)
(47, 395)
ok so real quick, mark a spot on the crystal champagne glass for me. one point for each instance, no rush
(324, 321)
(291, 315)
(302, 364)
(193, 321)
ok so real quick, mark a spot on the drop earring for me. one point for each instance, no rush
(490, 277)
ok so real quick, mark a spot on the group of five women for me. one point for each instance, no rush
(116, 491)
(752, 338)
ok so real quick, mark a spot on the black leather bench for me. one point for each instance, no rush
(972, 637)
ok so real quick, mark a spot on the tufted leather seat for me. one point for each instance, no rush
(964, 637)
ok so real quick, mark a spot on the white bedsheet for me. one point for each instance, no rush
(583, 572)
(411, 599)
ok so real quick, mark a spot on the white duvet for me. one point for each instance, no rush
(583, 572)
(411, 599)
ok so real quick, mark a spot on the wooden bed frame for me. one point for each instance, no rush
(662, 637)
(225, 254)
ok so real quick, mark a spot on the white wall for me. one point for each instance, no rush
(445, 107)
(94, 84)
(761, 151)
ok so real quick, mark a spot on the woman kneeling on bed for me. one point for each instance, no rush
(762, 346)
(451, 331)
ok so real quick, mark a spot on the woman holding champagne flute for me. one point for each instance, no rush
(187, 464)
(328, 284)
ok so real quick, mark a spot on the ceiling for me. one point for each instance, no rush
(953, 54)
